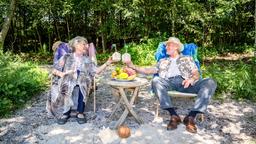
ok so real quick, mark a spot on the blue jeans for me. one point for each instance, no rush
(204, 88)
(81, 104)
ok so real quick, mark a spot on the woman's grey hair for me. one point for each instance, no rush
(73, 42)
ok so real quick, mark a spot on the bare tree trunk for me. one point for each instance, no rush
(97, 42)
(39, 38)
(56, 28)
(173, 25)
(49, 41)
(68, 28)
(7, 23)
(103, 42)
(173, 17)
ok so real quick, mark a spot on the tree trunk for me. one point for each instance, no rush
(97, 42)
(68, 28)
(173, 17)
(49, 41)
(39, 38)
(103, 42)
(173, 25)
(7, 23)
(56, 28)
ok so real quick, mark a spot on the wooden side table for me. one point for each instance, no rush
(121, 86)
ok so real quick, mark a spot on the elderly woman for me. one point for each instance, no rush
(75, 71)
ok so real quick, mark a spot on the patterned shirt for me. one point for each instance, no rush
(173, 69)
(185, 65)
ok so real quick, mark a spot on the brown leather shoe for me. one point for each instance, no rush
(190, 124)
(174, 121)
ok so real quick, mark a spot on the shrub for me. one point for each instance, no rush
(235, 78)
(142, 54)
(102, 58)
(19, 81)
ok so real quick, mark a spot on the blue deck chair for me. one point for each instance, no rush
(61, 50)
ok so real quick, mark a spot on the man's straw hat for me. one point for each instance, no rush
(176, 41)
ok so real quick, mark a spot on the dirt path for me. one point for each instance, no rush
(225, 122)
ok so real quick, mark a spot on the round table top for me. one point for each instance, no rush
(128, 84)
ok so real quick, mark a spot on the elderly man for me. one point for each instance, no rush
(179, 73)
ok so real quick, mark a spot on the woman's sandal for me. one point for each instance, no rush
(80, 118)
(63, 119)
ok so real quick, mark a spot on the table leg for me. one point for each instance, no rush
(128, 107)
(121, 119)
(115, 108)
(132, 101)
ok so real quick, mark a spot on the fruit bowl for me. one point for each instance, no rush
(123, 74)
(122, 80)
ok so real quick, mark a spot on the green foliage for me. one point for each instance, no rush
(102, 58)
(19, 81)
(38, 58)
(143, 53)
(235, 78)
(211, 24)
(204, 52)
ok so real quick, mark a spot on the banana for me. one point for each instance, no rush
(131, 77)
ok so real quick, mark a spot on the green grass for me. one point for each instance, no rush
(19, 82)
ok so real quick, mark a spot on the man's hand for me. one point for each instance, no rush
(186, 83)
(129, 64)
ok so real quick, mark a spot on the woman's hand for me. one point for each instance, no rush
(69, 72)
(102, 67)
(110, 60)
(58, 73)
(61, 74)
